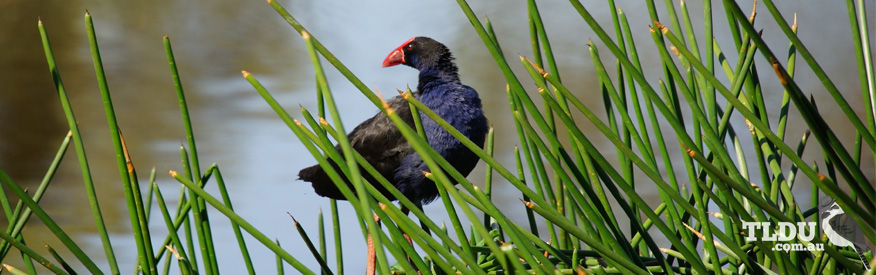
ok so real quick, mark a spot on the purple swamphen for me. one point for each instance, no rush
(381, 143)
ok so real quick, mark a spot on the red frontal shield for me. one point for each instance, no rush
(397, 56)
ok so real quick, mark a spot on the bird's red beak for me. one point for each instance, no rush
(397, 56)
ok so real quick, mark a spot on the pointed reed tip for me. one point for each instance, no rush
(662, 27)
(297, 122)
(541, 71)
(681, 2)
(323, 121)
(245, 73)
(305, 35)
(717, 215)
(165, 36)
(698, 234)
(690, 152)
(294, 221)
(528, 204)
(172, 173)
(675, 50)
(657, 24)
(426, 173)
(386, 106)
(69, 133)
(173, 251)
(524, 58)
(269, 1)
(87, 14)
(778, 69)
(750, 127)
(39, 21)
(794, 26)
(821, 177)
(753, 9)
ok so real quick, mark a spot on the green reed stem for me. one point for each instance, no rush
(197, 209)
(405, 223)
(220, 183)
(202, 221)
(310, 246)
(823, 183)
(114, 132)
(80, 152)
(50, 223)
(22, 217)
(255, 233)
(489, 145)
(178, 245)
(347, 149)
(816, 68)
(336, 228)
(31, 253)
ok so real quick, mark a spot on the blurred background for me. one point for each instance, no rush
(259, 156)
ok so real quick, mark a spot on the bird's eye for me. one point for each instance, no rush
(410, 46)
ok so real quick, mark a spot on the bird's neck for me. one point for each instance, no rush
(437, 74)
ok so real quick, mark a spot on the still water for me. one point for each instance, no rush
(260, 157)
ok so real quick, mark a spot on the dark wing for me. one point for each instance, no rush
(378, 141)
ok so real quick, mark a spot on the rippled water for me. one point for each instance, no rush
(259, 156)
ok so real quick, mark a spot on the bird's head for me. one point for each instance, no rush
(420, 53)
(834, 209)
